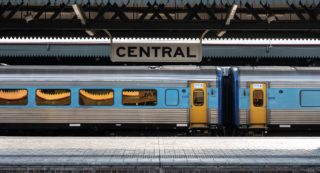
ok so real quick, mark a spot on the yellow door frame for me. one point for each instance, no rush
(258, 105)
(198, 116)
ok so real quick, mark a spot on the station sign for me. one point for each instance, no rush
(156, 52)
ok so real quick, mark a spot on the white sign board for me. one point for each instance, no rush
(198, 85)
(257, 86)
(156, 52)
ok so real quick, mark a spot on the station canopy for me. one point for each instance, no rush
(292, 20)
(54, 16)
(223, 2)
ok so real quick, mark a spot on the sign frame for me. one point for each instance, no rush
(154, 51)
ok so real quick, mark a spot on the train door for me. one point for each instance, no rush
(258, 105)
(198, 105)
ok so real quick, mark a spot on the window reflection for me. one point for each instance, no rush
(139, 97)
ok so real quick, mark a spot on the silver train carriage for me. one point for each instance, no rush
(277, 97)
(182, 96)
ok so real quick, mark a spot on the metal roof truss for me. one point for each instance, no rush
(190, 15)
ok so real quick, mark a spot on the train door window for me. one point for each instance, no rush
(198, 97)
(13, 97)
(172, 97)
(96, 97)
(53, 97)
(258, 98)
(132, 97)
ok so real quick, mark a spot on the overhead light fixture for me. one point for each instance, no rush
(90, 32)
(81, 16)
(271, 18)
(221, 33)
(28, 17)
(231, 14)
(79, 12)
(108, 33)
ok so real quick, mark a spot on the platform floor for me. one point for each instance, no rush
(159, 151)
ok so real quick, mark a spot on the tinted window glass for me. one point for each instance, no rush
(96, 97)
(258, 98)
(53, 97)
(139, 97)
(198, 97)
(310, 98)
(172, 97)
(13, 96)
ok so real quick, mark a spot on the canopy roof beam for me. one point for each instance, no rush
(307, 10)
(4, 9)
(164, 25)
(41, 11)
(14, 11)
(161, 16)
(57, 12)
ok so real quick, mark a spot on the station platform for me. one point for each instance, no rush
(159, 154)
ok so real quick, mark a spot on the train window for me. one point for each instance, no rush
(172, 97)
(310, 98)
(133, 97)
(13, 96)
(96, 97)
(53, 97)
(258, 98)
(198, 97)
